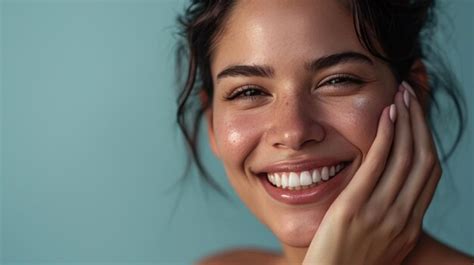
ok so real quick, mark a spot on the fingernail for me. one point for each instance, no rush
(405, 84)
(393, 113)
(406, 98)
(401, 87)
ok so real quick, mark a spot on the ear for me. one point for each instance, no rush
(208, 111)
(419, 75)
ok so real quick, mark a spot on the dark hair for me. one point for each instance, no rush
(402, 28)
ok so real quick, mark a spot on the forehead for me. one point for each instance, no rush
(285, 32)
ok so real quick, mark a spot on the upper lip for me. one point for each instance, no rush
(298, 166)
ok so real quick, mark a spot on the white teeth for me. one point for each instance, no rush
(316, 176)
(293, 180)
(284, 180)
(271, 177)
(277, 180)
(325, 173)
(305, 179)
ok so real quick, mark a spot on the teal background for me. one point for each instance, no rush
(89, 146)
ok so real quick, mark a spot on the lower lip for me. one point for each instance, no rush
(308, 195)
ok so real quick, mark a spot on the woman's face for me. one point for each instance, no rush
(294, 91)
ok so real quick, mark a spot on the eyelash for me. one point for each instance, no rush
(346, 78)
(343, 79)
(239, 93)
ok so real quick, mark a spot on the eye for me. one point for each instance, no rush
(246, 93)
(341, 80)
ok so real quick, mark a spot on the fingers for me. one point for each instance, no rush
(364, 180)
(424, 160)
(409, 236)
(426, 196)
(400, 159)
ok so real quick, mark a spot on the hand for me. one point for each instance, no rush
(378, 217)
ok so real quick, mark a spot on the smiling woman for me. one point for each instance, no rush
(317, 111)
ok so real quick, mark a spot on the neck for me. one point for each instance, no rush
(293, 255)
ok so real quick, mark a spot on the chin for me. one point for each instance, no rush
(296, 230)
(297, 235)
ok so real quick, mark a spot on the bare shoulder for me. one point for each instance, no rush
(431, 251)
(241, 256)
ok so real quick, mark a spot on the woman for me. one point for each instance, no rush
(316, 110)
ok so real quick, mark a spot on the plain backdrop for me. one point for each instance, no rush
(90, 149)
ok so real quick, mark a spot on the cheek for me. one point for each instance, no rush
(235, 135)
(361, 124)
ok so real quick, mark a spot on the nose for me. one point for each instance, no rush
(294, 125)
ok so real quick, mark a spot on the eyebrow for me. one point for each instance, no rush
(313, 66)
(247, 70)
(338, 58)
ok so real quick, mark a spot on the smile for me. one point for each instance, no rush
(304, 179)
(305, 184)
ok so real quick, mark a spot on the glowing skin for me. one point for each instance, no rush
(297, 113)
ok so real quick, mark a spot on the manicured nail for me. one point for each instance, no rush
(406, 98)
(401, 87)
(405, 84)
(393, 113)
